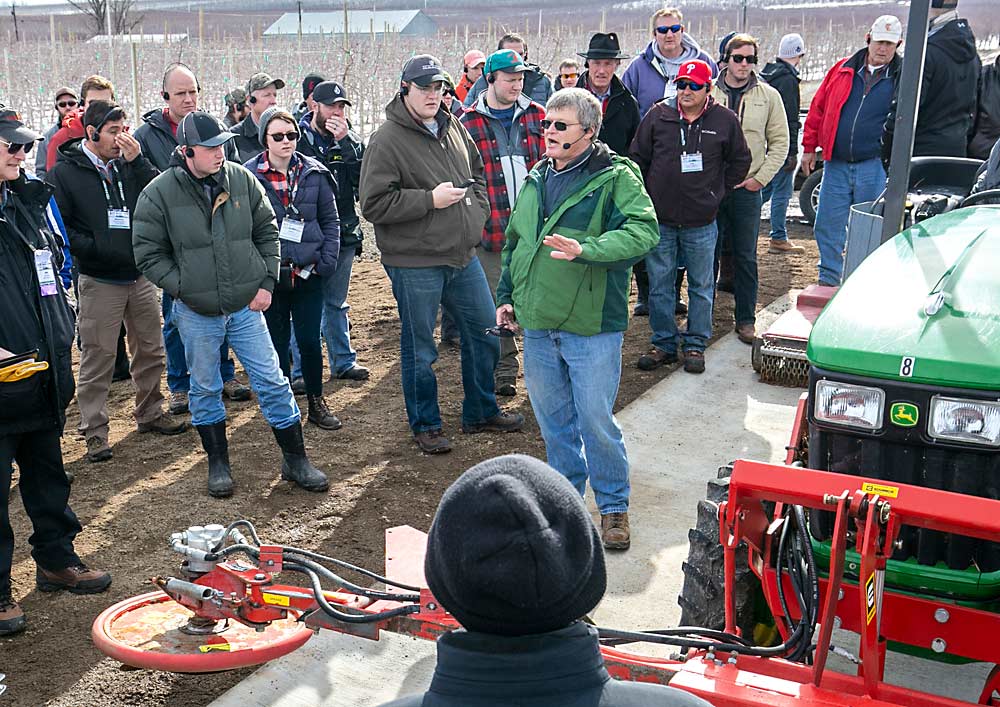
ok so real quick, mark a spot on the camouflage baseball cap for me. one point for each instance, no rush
(235, 97)
(261, 81)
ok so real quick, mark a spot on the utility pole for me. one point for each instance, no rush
(13, 13)
(743, 18)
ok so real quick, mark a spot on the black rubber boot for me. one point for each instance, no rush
(220, 476)
(642, 289)
(295, 466)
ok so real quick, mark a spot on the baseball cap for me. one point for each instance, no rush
(423, 70)
(201, 128)
(235, 97)
(791, 46)
(309, 84)
(13, 130)
(330, 92)
(473, 57)
(886, 28)
(261, 80)
(695, 70)
(64, 91)
(504, 60)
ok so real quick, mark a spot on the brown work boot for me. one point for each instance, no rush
(432, 442)
(655, 358)
(98, 449)
(784, 247)
(615, 531)
(178, 404)
(501, 422)
(234, 390)
(11, 617)
(78, 579)
(163, 425)
(745, 333)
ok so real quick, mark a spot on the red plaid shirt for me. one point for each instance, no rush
(479, 129)
(278, 180)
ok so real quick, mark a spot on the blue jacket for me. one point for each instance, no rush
(644, 77)
(859, 132)
(314, 198)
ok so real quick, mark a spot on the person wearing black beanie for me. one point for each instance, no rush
(513, 555)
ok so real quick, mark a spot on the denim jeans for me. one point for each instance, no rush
(572, 383)
(178, 380)
(779, 192)
(466, 295)
(844, 184)
(697, 246)
(739, 224)
(301, 307)
(335, 323)
(247, 333)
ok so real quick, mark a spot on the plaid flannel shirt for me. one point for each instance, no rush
(278, 180)
(481, 132)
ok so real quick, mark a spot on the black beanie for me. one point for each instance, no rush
(513, 551)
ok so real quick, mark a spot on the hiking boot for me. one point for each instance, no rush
(298, 386)
(694, 361)
(615, 532)
(295, 465)
(78, 579)
(236, 391)
(320, 415)
(178, 403)
(745, 333)
(220, 475)
(432, 442)
(163, 425)
(11, 617)
(654, 359)
(501, 422)
(505, 388)
(98, 449)
(354, 373)
(784, 247)
(641, 309)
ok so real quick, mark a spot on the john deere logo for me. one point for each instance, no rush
(904, 414)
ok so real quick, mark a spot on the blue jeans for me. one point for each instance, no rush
(844, 184)
(178, 380)
(779, 192)
(466, 295)
(696, 247)
(335, 324)
(739, 224)
(299, 310)
(572, 383)
(247, 334)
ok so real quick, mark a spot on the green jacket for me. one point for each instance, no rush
(609, 212)
(213, 256)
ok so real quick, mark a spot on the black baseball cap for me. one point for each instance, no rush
(13, 130)
(423, 70)
(201, 128)
(309, 84)
(329, 93)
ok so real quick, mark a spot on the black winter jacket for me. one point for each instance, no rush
(158, 143)
(987, 130)
(247, 144)
(99, 251)
(785, 79)
(314, 200)
(563, 668)
(947, 95)
(621, 117)
(29, 321)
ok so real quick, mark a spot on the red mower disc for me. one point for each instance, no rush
(144, 632)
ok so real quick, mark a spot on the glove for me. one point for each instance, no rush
(791, 163)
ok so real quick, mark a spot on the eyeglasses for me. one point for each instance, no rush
(15, 147)
(569, 76)
(740, 58)
(67, 104)
(672, 29)
(557, 124)
(682, 85)
(278, 137)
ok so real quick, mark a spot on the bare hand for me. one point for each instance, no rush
(261, 301)
(129, 146)
(563, 248)
(808, 163)
(445, 194)
(750, 185)
(337, 127)
(505, 317)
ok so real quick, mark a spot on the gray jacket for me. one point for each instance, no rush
(990, 177)
(41, 157)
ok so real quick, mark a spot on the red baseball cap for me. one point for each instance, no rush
(695, 70)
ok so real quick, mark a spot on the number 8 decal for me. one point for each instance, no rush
(906, 366)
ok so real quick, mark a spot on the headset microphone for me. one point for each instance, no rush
(567, 145)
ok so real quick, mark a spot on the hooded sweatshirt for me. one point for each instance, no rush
(650, 76)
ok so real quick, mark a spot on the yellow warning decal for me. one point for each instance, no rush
(881, 490)
(276, 599)
(870, 597)
(215, 647)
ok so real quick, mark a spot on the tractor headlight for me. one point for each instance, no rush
(849, 405)
(974, 421)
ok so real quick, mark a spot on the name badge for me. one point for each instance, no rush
(291, 230)
(119, 219)
(46, 273)
(691, 163)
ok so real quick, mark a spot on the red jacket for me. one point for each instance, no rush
(72, 128)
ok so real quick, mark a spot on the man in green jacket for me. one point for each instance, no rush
(422, 186)
(581, 221)
(205, 232)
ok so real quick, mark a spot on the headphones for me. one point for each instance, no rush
(111, 114)
(170, 69)
(252, 100)
(189, 152)
(403, 89)
(491, 77)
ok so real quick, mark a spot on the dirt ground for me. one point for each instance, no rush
(156, 485)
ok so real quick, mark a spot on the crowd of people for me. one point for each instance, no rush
(514, 205)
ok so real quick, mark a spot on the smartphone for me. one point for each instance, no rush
(466, 184)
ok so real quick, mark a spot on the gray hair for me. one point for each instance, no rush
(583, 102)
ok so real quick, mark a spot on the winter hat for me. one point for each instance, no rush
(723, 44)
(266, 117)
(513, 551)
(792, 45)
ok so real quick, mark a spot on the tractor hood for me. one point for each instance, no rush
(923, 308)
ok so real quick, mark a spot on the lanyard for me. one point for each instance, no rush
(684, 128)
(113, 173)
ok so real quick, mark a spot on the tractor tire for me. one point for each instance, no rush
(702, 597)
(809, 196)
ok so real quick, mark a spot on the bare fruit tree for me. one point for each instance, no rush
(124, 17)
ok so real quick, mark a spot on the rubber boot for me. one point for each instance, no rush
(295, 465)
(726, 273)
(220, 476)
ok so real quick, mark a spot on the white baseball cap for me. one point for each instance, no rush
(887, 28)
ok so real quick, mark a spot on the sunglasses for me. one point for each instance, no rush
(557, 124)
(672, 29)
(682, 85)
(278, 137)
(569, 76)
(15, 147)
(740, 58)
(67, 104)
